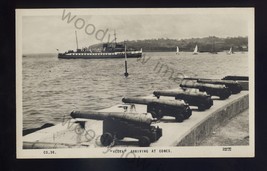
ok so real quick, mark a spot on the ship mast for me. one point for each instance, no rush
(76, 39)
(115, 38)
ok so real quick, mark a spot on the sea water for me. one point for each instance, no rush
(53, 87)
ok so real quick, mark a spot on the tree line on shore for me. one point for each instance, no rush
(206, 44)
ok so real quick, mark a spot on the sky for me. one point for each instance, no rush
(45, 34)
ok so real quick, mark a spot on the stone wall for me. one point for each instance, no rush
(205, 128)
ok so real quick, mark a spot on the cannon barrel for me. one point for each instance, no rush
(159, 107)
(229, 77)
(213, 89)
(234, 86)
(132, 117)
(237, 78)
(145, 101)
(170, 93)
(173, 93)
(216, 81)
(192, 78)
(199, 99)
(194, 84)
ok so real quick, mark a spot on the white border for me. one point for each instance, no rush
(185, 152)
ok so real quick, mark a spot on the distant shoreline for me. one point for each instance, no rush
(53, 54)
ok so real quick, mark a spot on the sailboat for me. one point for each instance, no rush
(230, 51)
(195, 51)
(177, 51)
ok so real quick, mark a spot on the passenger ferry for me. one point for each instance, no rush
(109, 50)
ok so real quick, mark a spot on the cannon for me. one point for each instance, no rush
(236, 78)
(118, 125)
(199, 99)
(212, 89)
(159, 108)
(234, 86)
(242, 80)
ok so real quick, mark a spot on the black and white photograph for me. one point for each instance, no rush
(135, 83)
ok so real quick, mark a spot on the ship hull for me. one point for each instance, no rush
(98, 55)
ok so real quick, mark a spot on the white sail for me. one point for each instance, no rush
(230, 51)
(195, 51)
(177, 50)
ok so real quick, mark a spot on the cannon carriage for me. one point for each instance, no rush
(118, 125)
